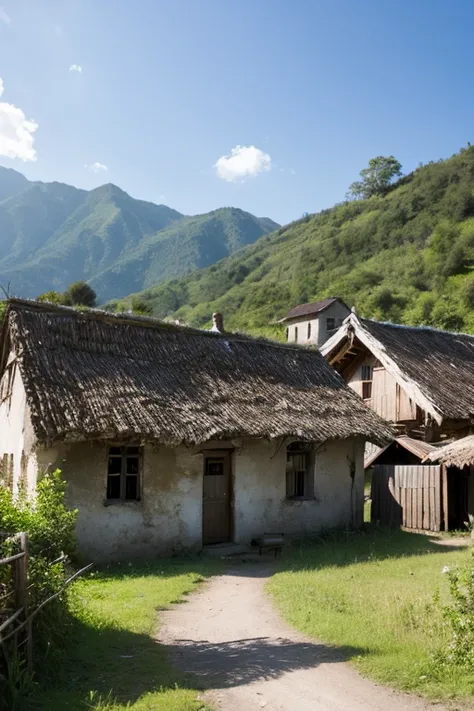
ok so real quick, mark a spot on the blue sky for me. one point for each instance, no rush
(311, 89)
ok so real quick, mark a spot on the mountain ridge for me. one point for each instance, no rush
(52, 234)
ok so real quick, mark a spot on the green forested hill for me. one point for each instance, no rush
(407, 257)
(53, 234)
(187, 244)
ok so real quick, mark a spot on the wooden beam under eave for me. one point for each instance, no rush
(444, 491)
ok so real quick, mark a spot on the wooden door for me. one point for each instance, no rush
(216, 498)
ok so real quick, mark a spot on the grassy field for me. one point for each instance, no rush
(113, 662)
(373, 595)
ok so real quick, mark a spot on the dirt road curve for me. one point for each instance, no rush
(230, 638)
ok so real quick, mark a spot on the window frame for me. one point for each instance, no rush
(308, 336)
(367, 370)
(296, 334)
(330, 319)
(293, 450)
(123, 474)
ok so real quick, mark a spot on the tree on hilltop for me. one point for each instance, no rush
(376, 178)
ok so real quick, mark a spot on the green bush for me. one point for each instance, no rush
(468, 293)
(459, 618)
(51, 546)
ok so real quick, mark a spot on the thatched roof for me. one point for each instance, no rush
(97, 375)
(315, 307)
(415, 446)
(435, 368)
(457, 454)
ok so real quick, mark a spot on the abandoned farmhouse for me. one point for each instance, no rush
(171, 437)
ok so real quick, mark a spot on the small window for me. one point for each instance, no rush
(123, 473)
(287, 333)
(330, 324)
(299, 471)
(366, 372)
(309, 330)
(367, 390)
(214, 466)
(296, 334)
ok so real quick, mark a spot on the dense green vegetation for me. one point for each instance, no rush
(51, 545)
(382, 597)
(406, 256)
(184, 246)
(53, 234)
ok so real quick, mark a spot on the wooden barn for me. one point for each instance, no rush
(418, 378)
(405, 490)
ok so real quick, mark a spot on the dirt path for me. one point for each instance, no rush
(229, 637)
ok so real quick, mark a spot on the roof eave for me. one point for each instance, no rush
(288, 317)
(352, 323)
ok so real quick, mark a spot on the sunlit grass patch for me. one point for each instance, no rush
(374, 594)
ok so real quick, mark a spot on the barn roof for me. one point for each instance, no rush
(457, 454)
(312, 308)
(435, 368)
(93, 374)
(417, 447)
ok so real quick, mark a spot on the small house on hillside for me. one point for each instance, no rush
(421, 379)
(172, 437)
(313, 324)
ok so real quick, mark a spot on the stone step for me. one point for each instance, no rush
(225, 550)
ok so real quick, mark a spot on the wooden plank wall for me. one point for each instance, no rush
(407, 495)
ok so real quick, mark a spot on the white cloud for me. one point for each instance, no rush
(6, 19)
(292, 171)
(16, 132)
(58, 30)
(243, 162)
(96, 167)
(75, 68)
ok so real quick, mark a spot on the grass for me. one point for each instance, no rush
(113, 662)
(373, 594)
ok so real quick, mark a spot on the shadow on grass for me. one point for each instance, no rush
(123, 666)
(109, 663)
(103, 660)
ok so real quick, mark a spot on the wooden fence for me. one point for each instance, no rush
(16, 619)
(412, 496)
(15, 597)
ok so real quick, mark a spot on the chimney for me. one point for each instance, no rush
(217, 322)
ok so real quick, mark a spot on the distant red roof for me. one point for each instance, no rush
(313, 308)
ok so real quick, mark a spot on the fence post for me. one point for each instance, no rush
(24, 593)
(20, 572)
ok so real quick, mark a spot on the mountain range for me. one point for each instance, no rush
(52, 234)
(406, 255)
